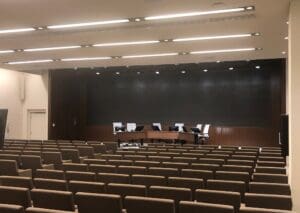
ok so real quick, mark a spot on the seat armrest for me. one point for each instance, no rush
(66, 161)
(48, 166)
(97, 155)
(25, 172)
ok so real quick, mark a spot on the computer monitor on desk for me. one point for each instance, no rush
(180, 126)
(174, 128)
(130, 127)
(156, 127)
(139, 128)
(196, 130)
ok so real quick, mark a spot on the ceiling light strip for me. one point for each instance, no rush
(213, 37)
(86, 59)
(17, 30)
(6, 51)
(30, 62)
(199, 13)
(88, 24)
(125, 43)
(150, 55)
(51, 48)
(223, 51)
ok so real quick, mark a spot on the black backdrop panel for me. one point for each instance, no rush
(3, 117)
(241, 97)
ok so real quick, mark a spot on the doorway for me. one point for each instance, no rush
(36, 125)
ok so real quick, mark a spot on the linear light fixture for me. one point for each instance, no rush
(223, 50)
(30, 62)
(87, 24)
(213, 37)
(17, 30)
(51, 48)
(150, 55)
(6, 51)
(199, 13)
(125, 43)
(86, 59)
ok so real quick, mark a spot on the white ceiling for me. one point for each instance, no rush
(269, 19)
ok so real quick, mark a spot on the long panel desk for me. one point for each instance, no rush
(156, 135)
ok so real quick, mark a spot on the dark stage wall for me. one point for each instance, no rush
(239, 103)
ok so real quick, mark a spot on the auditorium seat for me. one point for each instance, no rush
(112, 156)
(190, 183)
(131, 170)
(10, 167)
(270, 163)
(235, 168)
(15, 195)
(113, 178)
(54, 158)
(42, 210)
(85, 186)
(192, 155)
(193, 173)
(98, 148)
(32, 152)
(52, 199)
(202, 166)
(125, 152)
(211, 161)
(270, 170)
(15, 181)
(135, 204)
(95, 203)
(98, 168)
(159, 158)
(176, 165)
(34, 162)
(94, 161)
(238, 176)
(126, 189)
(81, 176)
(226, 185)
(120, 162)
(134, 157)
(51, 184)
(71, 154)
(161, 171)
(270, 178)
(111, 146)
(269, 158)
(197, 207)
(50, 174)
(79, 167)
(147, 163)
(283, 202)
(9, 208)
(269, 188)
(149, 180)
(174, 193)
(219, 197)
(261, 210)
(88, 152)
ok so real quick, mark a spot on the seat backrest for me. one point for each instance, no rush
(193, 173)
(9, 208)
(270, 170)
(80, 167)
(147, 163)
(195, 207)
(211, 161)
(51, 184)
(161, 171)
(235, 168)
(132, 170)
(86, 151)
(149, 180)
(113, 178)
(203, 166)
(238, 176)
(81, 176)
(8, 167)
(270, 178)
(283, 202)
(15, 195)
(244, 209)
(25, 182)
(102, 168)
(94, 203)
(226, 185)
(190, 183)
(219, 197)
(120, 162)
(85, 186)
(135, 204)
(50, 174)
(51, 199)
(70, 154)
(94, 161)
(52, 158)
(269, 188)
(176, 165)
(11, 156)
(126, 189)
(31, 162)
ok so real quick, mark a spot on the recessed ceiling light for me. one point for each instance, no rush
(85, 59)
(41, 28)
(231, 68)
(205, 70)
(97, 73)
(157, 72)
(287, 22)
(223, 51)
(212, 37)
(150, 55)
(137, 19)
(117, 73)
(257, 67)
(6, 51)
(218, 61)
(198, 13)
(286, 38)
(183, 71)
(283, 52)
(51, 48)
(138, 73)
(87, 24)
(125, 43)
(30, 62)
(17, 30)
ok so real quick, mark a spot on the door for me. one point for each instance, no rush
(37, 125)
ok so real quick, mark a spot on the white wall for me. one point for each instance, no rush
(35, 88)
(294, 101)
